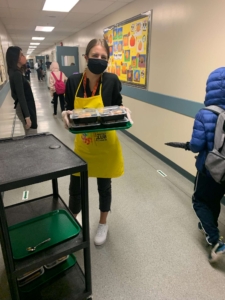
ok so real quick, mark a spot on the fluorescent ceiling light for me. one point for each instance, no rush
(33, 47)
(38, 38)
(34, 43)
(63, 6)
(44, 28)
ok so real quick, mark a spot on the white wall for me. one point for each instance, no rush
(187, 43)
(5, 40)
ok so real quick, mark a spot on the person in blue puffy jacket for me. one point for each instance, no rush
(207, 192)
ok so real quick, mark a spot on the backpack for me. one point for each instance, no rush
(59, 84)
(215, 160)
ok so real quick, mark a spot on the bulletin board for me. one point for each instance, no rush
(129, 48)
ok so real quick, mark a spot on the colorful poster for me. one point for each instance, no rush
(128, 44)
(2, 69)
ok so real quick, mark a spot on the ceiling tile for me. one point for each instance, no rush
(21, 26)
(78, 17)
(31, 4)
(3, 3)
(126, 1)
(22, 13)
(9, 26)
(30, 23)
(53, 14)
(95, 6)
(47, 22)
(5, 12)
(6, 21)
(67, 25)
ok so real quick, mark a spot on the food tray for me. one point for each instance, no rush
(116, 123)
(29, 273)
(56, 262)
(101, 128)
(58, 225)
(31, 277)
(109, 113)
(86, 115)
(82, 126)
(49, 274)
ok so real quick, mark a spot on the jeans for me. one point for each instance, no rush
(62, 102)
(104, 190)
(206, 203)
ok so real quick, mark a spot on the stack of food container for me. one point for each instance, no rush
(101, 118)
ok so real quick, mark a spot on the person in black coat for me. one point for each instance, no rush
(21, 90)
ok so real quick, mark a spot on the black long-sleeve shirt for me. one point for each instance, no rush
(111, 88)
(16, 80)
(22, 94)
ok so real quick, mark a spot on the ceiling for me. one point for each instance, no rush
(20, 18)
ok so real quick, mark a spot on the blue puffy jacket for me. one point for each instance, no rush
(205, 121)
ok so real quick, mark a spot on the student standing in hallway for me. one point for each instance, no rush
(57, 75)
(93, 89)
(21, 90)
(208, 193)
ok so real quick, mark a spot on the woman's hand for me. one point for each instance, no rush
(65, 117)
(28, 123)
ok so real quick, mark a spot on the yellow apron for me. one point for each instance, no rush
(101, 150)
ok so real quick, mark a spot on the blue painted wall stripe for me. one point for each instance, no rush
(178, 105)
(3, 92)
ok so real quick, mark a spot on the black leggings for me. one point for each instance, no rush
(62, 102)
(104, 190)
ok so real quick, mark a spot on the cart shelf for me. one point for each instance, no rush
(21, 212)
(69, 285)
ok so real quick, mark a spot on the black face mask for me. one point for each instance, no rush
(97, 66)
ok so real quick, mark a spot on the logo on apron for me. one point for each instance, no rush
(100, 137)
(86, 140)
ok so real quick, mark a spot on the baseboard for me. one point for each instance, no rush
(164, 159)
(160, 156)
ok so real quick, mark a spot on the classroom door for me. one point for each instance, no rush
(68, 59)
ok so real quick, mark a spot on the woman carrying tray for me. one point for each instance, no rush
(102, 151)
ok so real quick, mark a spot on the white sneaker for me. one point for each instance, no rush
(101, 234)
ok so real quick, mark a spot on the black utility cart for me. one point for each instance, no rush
(30, 160)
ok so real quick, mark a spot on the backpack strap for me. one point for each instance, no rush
(56, 79)
(214, 108)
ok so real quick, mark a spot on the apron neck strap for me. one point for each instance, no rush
(85, 85)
